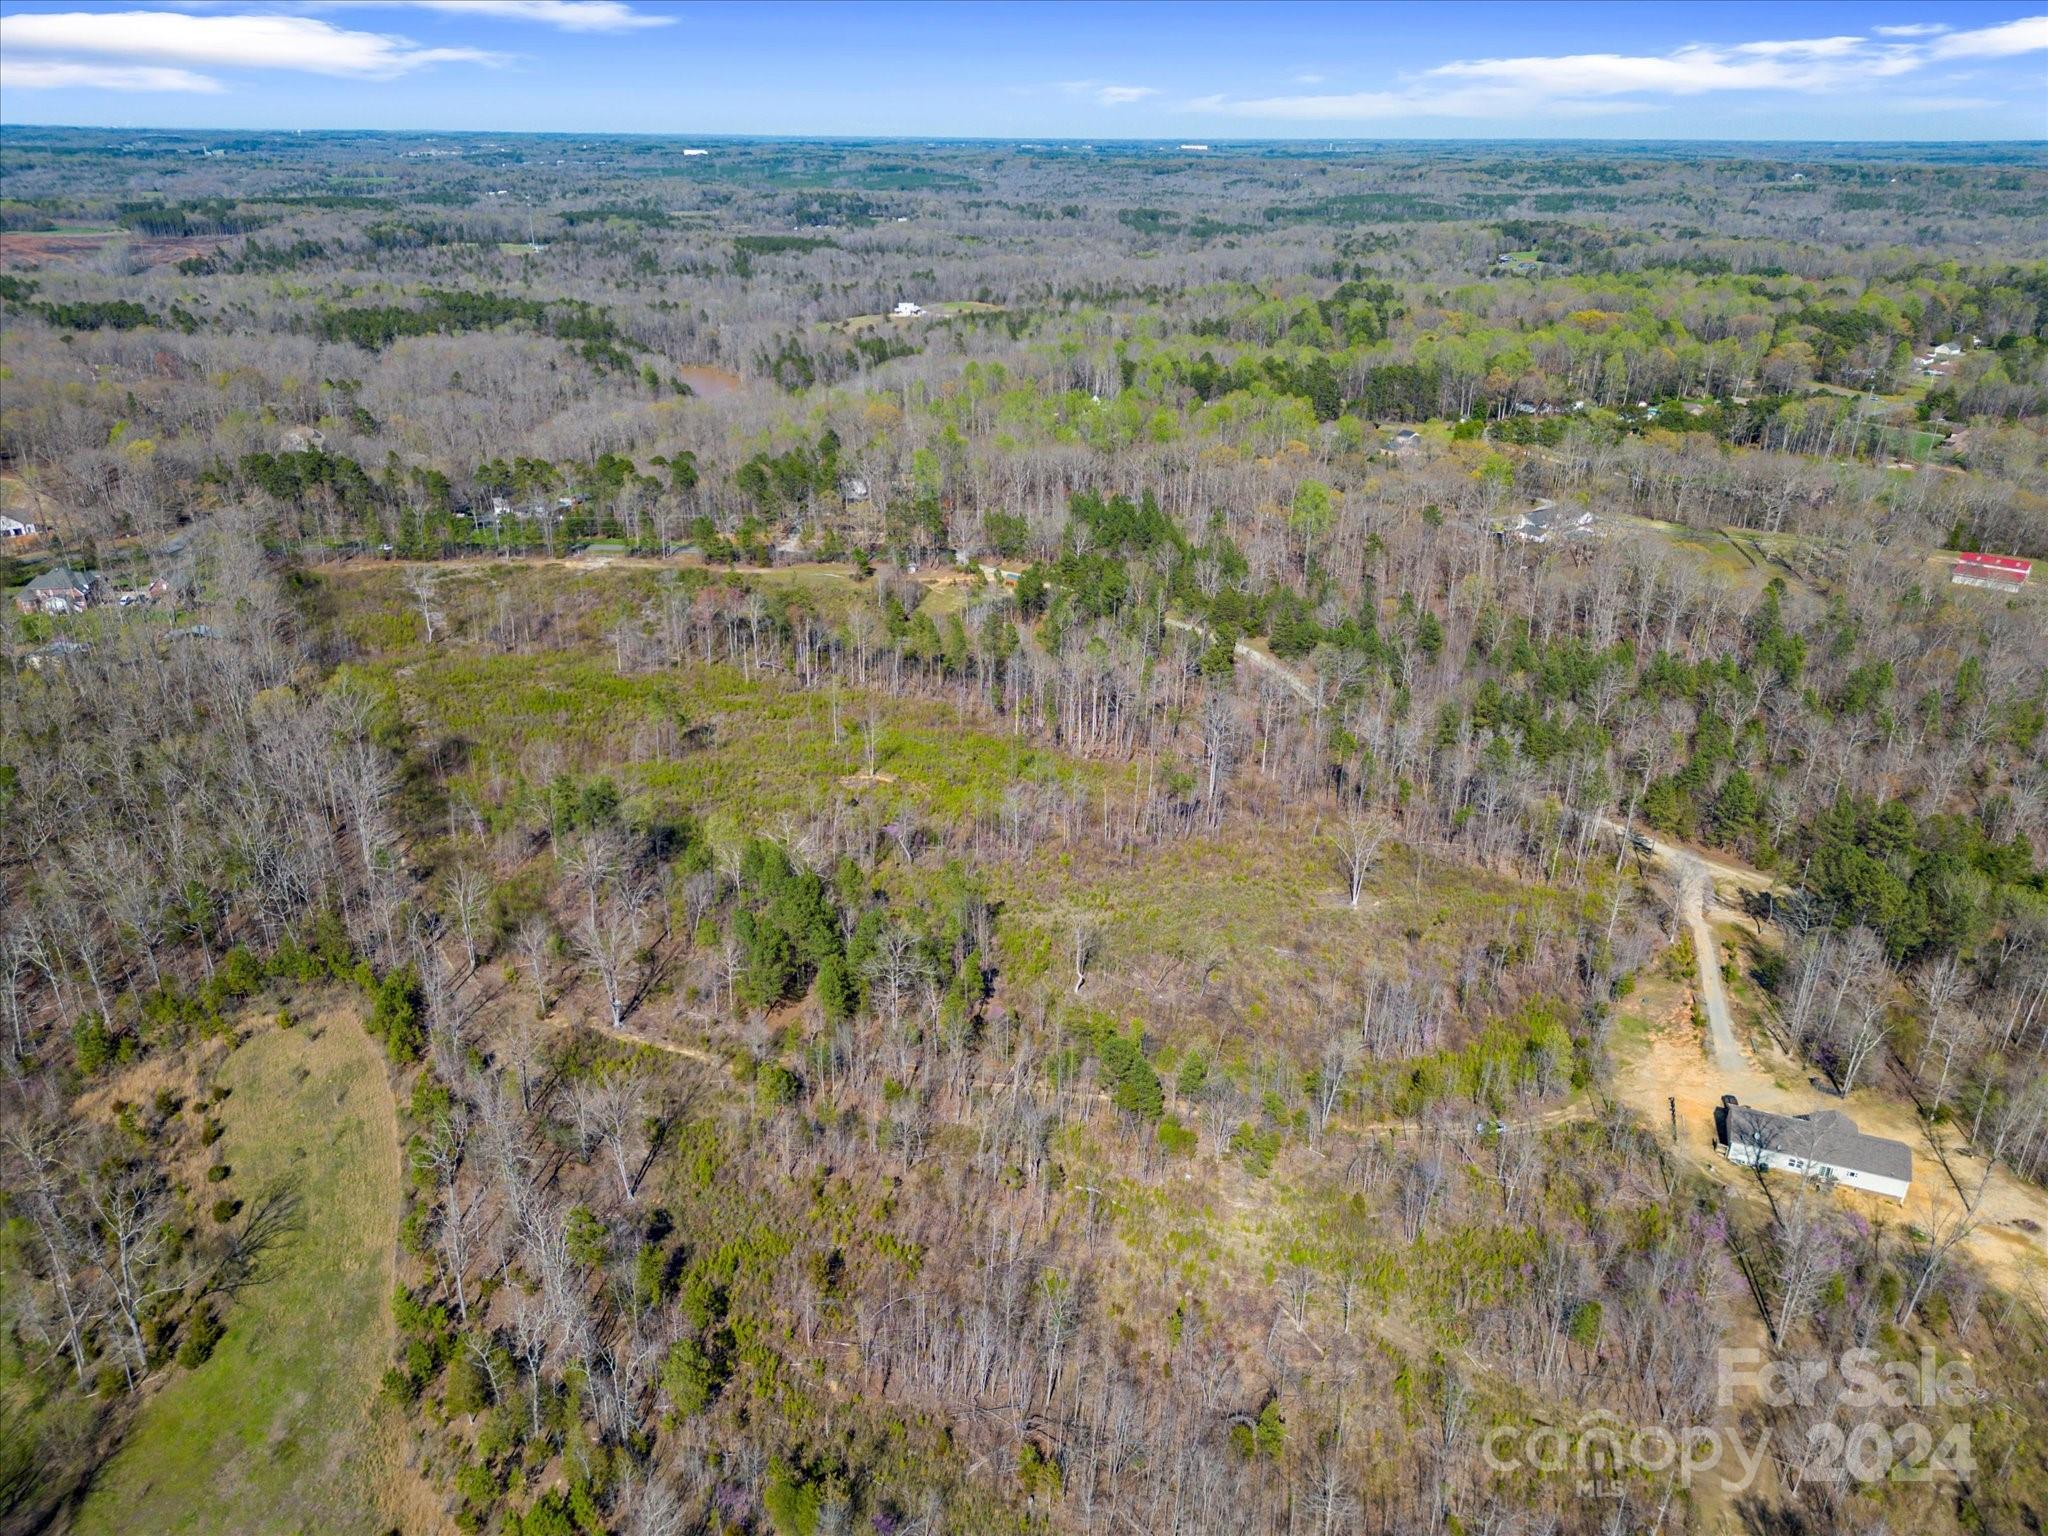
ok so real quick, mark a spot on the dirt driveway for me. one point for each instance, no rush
(1675, 1073)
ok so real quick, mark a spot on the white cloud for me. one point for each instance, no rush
(68, 75)
(1106, 94)
(1582, 84)
(2027, 35)
(1390, 106)
(1310, 79)
(1802, 65)
(568, 15)
(1803, 48)
(1913, 29)
(234, 42)
(1948, 104)
(1353, 106)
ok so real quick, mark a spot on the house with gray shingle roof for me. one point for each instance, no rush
(60, 589)
(1822, 1145)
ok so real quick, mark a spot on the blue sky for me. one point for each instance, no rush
(1004, 70)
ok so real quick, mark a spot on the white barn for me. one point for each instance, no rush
(1821, 1145)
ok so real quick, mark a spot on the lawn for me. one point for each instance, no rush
(274, 1433)
(941, 309)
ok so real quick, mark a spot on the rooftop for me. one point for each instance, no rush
(1824, 1136)
(62, 578)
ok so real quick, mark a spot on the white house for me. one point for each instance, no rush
(1821, 1145)
(1542, 524)
(905, 310)
(11, 528)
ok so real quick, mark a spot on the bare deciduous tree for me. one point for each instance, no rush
(1359, 842)
(469, 892)
(608, 939)
(615, 1107)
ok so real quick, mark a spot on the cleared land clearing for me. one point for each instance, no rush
(1712, 550)
(592, 590)
(1666, 1061)
(944, 309)
(1216, 936)
(276, 1432)
(704, 379)
(704, 737)
(70, 247)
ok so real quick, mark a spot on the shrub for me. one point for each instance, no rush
(202, 1333)
(476, 1485)
(1036, 1471)
(550, 1517)
(651, 1278)
(218, 1173)
(1255, 1148)
(792, 1501)
(588, 1237)
(467, 1390)
(94, 1047)
(1264, 1436)
(691, 1377)
(395, 1014)
(778, 1086)
(237, 976)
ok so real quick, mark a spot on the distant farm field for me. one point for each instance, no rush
(274, 1433)
(72, 247)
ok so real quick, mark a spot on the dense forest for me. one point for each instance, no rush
(952, 838)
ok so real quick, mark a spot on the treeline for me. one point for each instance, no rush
(455, 311)
(89, 314)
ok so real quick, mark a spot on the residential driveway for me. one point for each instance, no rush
(1728, 1057)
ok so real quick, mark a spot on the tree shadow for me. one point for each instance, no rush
(660, 1126)
(253, 1250)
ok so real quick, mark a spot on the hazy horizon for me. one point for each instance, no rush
(1818, 71)
(1214, 144)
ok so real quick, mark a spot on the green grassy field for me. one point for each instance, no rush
(748, 745)
(274, 1432)
(585, 596)
(1741, 555)
(941, 310)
